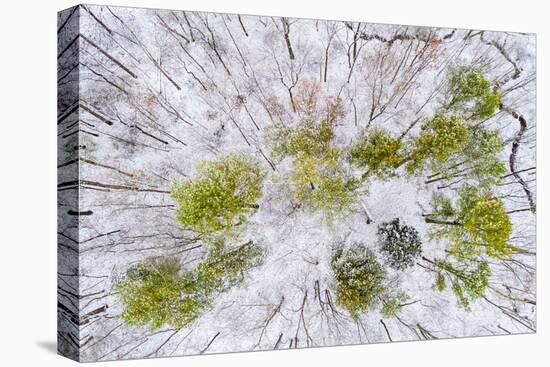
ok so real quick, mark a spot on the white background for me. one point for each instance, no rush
(28, 181)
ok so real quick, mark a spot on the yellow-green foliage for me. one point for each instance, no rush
(477, 163)
(440, 136)
(486, 221)
(224, 269)
(468, 84)
(481, 154)
(393, 305)
(311, 139)
(322, 184)
(360, 279)
(477, 224)
(155, 293)
(158, 293)
(319, 175)
(307, 139)
(226, 190)
(440, 283)
(488, 104)
(378, 152)
(468, 282)
(442, 206)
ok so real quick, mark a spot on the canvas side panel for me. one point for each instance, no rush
(68, 129)
(107, 180)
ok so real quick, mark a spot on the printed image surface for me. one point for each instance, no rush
(256, 183)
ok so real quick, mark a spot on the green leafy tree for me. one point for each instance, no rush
(481, 155)
(442, 207)
(307, 139)
(478, 227)
(476, 224)
(486, 221)
(468, 280)
(392, 305)
(378, 152)
(158, 293)
(226, 191)
(360, 278)
(399, 243)
(477, 164)
(223, 269)
(322, 185)
(440, 137)
(319, 175)
(469, 85)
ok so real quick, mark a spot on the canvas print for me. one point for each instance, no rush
(233, 183)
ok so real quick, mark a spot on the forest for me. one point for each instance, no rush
(240, 183)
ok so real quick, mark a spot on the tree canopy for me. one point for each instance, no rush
(392, 305)
(156, 293)
(477, 164)
(360, 278)
(307, 139)
(319, 176)
(476, 223)
(399, 243)
(486, 222)
(468, 280)
(469, 84)
(378, 152)
(440, 136)
(159, 293)
(226, 190)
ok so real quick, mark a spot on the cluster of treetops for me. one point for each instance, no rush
(453, 148)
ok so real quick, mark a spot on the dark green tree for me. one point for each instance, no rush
(360, 279)
(399, 243)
